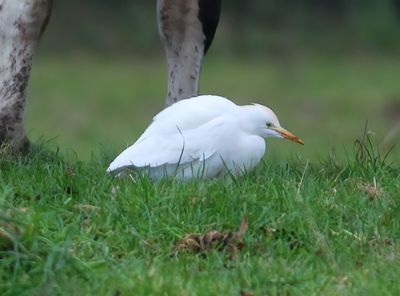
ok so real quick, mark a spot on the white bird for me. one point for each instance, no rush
(202, 137)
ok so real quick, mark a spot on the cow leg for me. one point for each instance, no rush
(187, 28)
(22, 22)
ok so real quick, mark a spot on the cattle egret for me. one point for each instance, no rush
(202, 137)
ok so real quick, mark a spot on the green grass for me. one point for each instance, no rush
(320, 221)
(327, 229)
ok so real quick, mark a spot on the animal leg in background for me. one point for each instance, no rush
(187, 28)
(22, 23)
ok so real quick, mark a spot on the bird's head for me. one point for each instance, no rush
(263, 121)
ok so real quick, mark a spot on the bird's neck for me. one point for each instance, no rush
(247, 116)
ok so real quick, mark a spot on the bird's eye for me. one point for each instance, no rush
(269, 125)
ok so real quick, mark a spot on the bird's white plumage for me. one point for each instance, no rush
(204, 136)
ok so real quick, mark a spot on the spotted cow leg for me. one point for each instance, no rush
(22, 23)
(187, 28)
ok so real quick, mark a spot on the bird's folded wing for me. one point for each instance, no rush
(178, 148)
(189, 114)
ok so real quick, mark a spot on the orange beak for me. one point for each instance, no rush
(288, 135)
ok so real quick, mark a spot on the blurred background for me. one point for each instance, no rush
(325, 67)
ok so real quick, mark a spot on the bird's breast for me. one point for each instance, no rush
(243, 153)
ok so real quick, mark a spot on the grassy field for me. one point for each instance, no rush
(323, 219)
(103, 104)
(324, 229)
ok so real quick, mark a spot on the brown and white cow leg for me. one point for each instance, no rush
(187, 28)
(22, 23)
